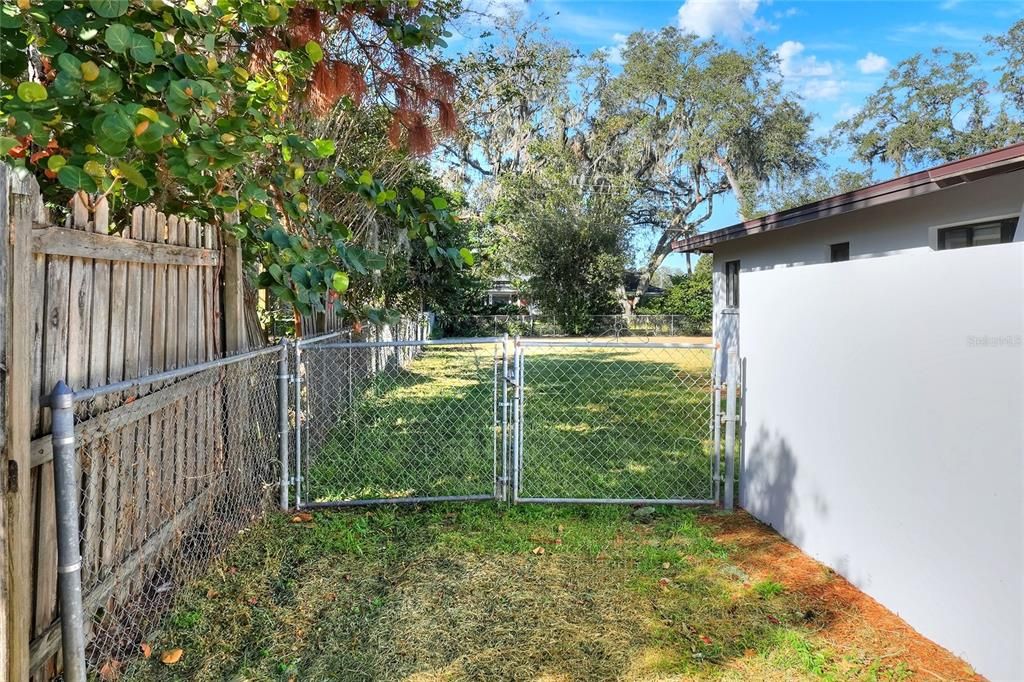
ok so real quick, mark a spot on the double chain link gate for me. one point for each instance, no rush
(524, 420)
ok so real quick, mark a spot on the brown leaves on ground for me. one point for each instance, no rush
(851, 619)
(146, 650)
(171, 656)
(538, 550)
(302, 517)
(110, 670)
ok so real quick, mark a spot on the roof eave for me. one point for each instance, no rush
(1006, 160)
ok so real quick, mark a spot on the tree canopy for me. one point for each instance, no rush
(211, 112)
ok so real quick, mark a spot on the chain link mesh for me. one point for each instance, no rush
(398, 421)
(603, 326)
(170, 474)
(616, 423)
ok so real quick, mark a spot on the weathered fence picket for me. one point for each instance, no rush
(93, 303)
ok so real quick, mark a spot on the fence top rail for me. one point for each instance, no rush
(600, 343)
(309, 340)
(89, 393)
(472, 341)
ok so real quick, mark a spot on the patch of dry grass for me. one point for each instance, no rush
(465, 593)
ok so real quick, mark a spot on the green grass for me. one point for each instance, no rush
(460, 592)
(599, 423)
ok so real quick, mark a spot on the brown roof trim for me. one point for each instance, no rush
(1005, 160)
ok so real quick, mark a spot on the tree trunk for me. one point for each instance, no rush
(734, 184)
(658, 256)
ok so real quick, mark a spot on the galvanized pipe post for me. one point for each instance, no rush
(716, 447)
(282, 419)
(297, 380)
(494, 427)
(69, 557)
(731, 372)
(504, 419)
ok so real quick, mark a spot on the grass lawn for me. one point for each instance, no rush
(488, 592)
(599, 422)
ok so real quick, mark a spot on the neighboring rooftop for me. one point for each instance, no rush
(1005, 160)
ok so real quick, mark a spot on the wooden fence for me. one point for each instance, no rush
(92, 307)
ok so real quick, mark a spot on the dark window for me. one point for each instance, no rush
(839, 252)
(732, 284)
(995, 232)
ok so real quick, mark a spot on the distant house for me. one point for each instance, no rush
(503, 290)
(880, 333)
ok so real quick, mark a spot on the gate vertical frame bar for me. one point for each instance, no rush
(282, 420)
(299, 425)
(494, 425)
(716, 448)
(520, 390)
(504, 419)
(731, 370)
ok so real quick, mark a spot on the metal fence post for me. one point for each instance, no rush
(69, 557)
(504, 419)
(297, 380)
(731, 372)
(282, 419)
(716, 451)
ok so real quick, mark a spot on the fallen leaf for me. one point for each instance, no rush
(302, 517)
(773, 619)
(749, 653)
(146, 650)
(212, 593)
(558, 541)
(538, 550)
(664, 582)
(705, 639)
(171, 656)
(253, 601)
(666, 565)
(110, 670)
(601, 556)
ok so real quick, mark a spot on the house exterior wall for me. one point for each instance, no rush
(884, 410)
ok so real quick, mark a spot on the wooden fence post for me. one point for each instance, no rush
(18, 216)
(234, 295)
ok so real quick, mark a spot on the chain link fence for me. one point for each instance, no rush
(614, 422)
(404, 420)
(604, 326)
(168, 470)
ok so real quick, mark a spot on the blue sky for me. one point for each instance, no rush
(833, 53)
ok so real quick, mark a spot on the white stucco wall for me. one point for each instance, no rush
(884, 423)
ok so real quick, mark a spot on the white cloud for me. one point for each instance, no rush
(496, 9)
(809, 76)
(846, 111)
(732, 18)
(872, 63)
(614, 51)
(789, 12)
(792, 63)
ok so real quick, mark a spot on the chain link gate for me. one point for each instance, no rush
(613, 422)
(534, 420)
(397, 421)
